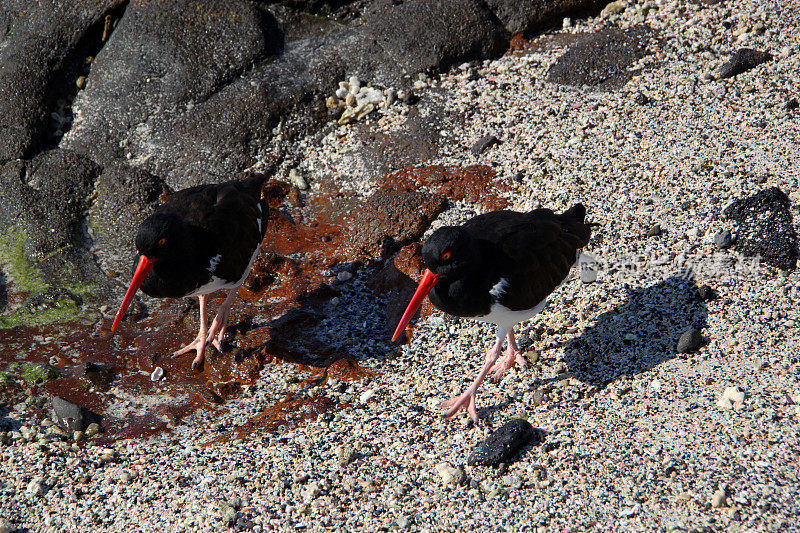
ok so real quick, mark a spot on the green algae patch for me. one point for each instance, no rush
(30, 373)
(16, 264)
(45, 304)
(48, 307)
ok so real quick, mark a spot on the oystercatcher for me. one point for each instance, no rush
(498, 267)
(200, 240)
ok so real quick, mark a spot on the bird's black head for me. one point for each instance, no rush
(448, 251)
(162, 236)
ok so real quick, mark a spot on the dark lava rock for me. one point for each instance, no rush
(689, 341)
(400, 218)
(179, 80)
(125, 196)
(72, 417)
(42, 45)
(741, 61)
(654, 231)
(162, 61)
(723, 239)
(523, 16)
(483, 143)
(791, 104)
(502, 444)
(601, 59)
(766, 228)
(641, 99)
(45, 199)
(434, 34)
(706, 293)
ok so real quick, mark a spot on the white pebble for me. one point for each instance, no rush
(732, 397)
(157, 374)
(367, 395)
(355, 85)
(450, 475)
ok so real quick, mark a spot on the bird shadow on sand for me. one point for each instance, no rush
(639, 334)
(634, 337)
(347, 320)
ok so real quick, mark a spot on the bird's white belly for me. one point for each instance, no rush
(503, 316)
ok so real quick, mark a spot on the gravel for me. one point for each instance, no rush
(617, 452)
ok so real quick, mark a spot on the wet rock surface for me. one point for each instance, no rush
(766, 227)
(502, 444)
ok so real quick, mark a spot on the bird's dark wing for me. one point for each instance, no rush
(234, 223)
(533, 251)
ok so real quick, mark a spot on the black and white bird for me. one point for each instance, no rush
(499, 268)
(202, 239)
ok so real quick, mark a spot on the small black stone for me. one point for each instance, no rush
(410, 98)
(741, 61)
(723, 239)
(654, 231)
(791, 104)
(705, 293)
(483, 143)
(689, 341)
(69, 416)
(766, 228)
(502, 444)
(641, 99)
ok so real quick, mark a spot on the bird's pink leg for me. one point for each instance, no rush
(513, 356)
(199, 343)
(217, 331)
(467, 398)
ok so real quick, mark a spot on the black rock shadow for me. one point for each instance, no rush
(638, 335)
(7, 423)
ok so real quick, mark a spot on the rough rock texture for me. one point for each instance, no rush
(39, 47)
(125, 197)
(161, 62)
(502, 444)
(743, 60)
(525, 15)
(766, 228)
(388, 220)
(601, 59)
(47, 198)
(434, 34)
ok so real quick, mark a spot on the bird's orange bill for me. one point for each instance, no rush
(425, 285)
(143, 268)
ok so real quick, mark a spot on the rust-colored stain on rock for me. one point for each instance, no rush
(474, 183)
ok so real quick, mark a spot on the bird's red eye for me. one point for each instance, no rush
(446, 256)
(162, 241)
